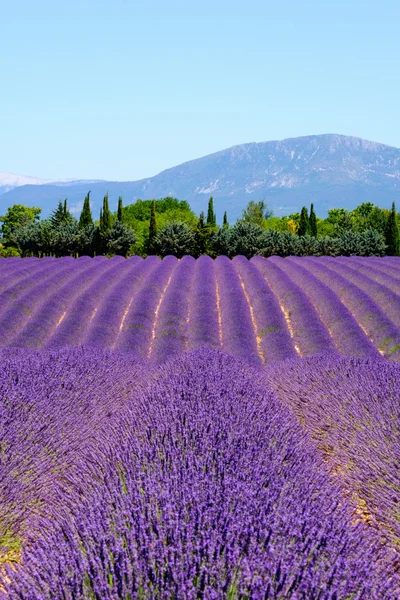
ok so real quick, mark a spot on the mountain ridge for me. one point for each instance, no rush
(331, 170)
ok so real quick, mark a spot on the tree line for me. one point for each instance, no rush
(169, 226)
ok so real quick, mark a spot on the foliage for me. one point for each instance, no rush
(120, 210)
(151, 241)
(8, 251)
(17, 216)
(313, 222)
(256, 213)
(304, 222)
(119, 238)
(176, 239)
(392, 233)
(61, 215)
(86, 219)
(211, 216)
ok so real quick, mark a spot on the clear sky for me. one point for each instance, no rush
(122, 89)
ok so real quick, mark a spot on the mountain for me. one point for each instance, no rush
(330, 170)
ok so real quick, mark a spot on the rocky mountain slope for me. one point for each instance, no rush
(330, 170)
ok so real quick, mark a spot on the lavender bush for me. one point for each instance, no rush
(164, 483)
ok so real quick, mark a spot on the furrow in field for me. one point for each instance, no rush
(384, 264)
(25, 308)
(309, 334)
(172, 319)
(74, 327)
(346, 334)
(238, 335)
(272, 334)
(372, 319)
(205, 325)
(22, 286)
(109, 321)
(390, 282)
(14, 272)
(53, 311)
(138, 329)
(385, 298)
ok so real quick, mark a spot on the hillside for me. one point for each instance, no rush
(330, 170)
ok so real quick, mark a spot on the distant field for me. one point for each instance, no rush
(263, 309)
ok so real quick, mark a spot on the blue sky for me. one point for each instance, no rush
(123, 89)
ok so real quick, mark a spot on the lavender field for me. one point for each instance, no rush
(199, 429)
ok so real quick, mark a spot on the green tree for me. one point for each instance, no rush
(61, 215)
(17, 216)
(246, 239)
(392, 233)
(151, 242)
(313, 222)
(176, 239)
(256, 213)
(86, 218)
(105, 222)
(225, 223)
(211, 216)
(119, 238)
(120, 212)
(304, 224)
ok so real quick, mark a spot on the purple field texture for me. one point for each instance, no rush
(200, 429)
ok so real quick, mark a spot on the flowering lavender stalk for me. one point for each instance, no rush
(110, 317)
(137, 333)
(238, 334)
(308, 333)
(75, 327)
(16, 286)
(376, 324)
(350, 407)
(203, 328)
(52, 311)
(171, 328)
(346, 334)
(189, 488)
(385, 297)
(25, 307)
(379, 274)
(273, 336)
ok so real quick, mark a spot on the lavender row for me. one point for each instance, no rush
(372, 318)
(308, 333)
(52, 311)
(204, 323)
(190, 488)
(238, 334)
(388, 298)
(138, 328)
(274, 340)
(346, 334)
(24, 308)
(171, 327)
(108, 323)
(76, 326)
(352, 412)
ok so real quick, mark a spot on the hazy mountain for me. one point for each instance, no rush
(329, 170)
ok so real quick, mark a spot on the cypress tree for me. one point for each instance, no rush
(120, 212)
(58, 215)
(152, 230)
(313, 222)
(304, 225)
(392, 234)
(225, 223)
(85, 218)
(106, 221)
(211, 217)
